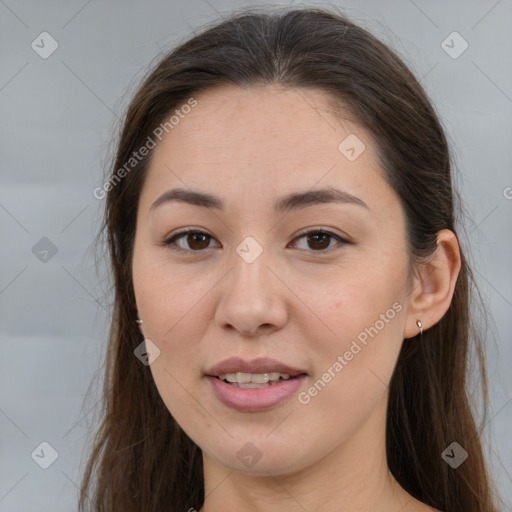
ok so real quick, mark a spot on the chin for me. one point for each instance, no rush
(258, 456)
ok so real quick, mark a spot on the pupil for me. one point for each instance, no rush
(325, 236)
(196, 235)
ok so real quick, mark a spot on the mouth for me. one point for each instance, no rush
(261, 372)
(255, 380)
(254, 386)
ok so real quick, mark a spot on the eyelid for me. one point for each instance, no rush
(342, 240)
(170, 240)
(324, 229)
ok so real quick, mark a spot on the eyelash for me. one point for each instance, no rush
(170, 242)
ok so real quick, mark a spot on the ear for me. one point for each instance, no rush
(433, 285)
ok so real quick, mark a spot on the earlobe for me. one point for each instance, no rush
(434, 285)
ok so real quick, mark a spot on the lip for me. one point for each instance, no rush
(260, 365)
(255, 399)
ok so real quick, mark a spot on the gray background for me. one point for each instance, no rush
(57, 118)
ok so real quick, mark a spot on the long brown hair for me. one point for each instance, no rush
(141, 459)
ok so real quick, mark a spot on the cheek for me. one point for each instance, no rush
(362, 317)
(169, 300)
(353, 302)
(352, 374)
(172, 313)
(182, 399)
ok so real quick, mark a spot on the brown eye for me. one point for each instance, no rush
(320, 240)
(196, 241)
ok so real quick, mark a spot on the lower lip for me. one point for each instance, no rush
(255, 399)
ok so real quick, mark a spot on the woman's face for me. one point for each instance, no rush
(324, 315)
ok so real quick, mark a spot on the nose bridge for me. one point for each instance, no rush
(249, 296)
(250, 262)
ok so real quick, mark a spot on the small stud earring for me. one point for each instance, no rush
(139, 321)
(420, 326)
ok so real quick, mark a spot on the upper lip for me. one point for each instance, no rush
(260, 365)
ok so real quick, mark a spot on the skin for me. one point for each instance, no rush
(293, 303)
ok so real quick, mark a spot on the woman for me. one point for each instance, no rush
(291, 322)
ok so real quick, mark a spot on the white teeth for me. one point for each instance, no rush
(253, 378)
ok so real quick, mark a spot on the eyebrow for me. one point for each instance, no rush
(293, 201)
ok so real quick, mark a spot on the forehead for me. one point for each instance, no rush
(264, 141)
(262, 119)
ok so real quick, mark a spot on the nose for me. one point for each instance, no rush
(253, 297)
